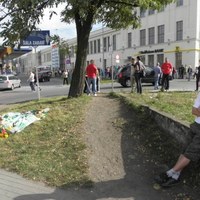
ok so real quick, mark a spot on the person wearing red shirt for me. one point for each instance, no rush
(91, 71)
(166, 71)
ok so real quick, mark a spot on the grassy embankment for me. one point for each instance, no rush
(52, 150)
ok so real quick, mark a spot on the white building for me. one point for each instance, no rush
(172, 32)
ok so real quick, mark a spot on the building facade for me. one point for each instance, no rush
(172, 32)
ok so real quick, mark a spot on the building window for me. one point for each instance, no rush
(91, 47)
(114, 43)
(109, 46)
(99, 45)
(160, 58)
(151, 60)
(152, 35)
(178, 59)
(151, 12)
(161, 34)
(179, 30)
(104, 44)
(142, 12)
(143, 59)
(129, 40)
(179, 3)
(142, 37)
(95, 46)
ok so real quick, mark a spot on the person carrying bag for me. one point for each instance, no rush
(139, 74)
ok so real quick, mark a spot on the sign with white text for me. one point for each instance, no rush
(37, 38)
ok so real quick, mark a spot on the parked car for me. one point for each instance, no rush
(44, 75)
(9, 82)
(124, 75)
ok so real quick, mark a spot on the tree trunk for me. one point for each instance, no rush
(78, 76)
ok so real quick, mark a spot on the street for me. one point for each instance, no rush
(56, 88)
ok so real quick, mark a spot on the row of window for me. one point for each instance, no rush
(95, 45)
(151, 12)
(160, 35)
(160, 58)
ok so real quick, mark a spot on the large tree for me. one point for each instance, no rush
(19, 17)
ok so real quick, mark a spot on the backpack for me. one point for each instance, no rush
(141, 69)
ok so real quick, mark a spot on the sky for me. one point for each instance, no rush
(64, 30)
(55, 26)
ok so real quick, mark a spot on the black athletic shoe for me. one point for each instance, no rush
(162, 178)
(171, 182)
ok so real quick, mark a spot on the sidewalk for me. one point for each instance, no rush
(14, 187)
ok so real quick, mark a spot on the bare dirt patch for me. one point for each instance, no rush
(122, 162)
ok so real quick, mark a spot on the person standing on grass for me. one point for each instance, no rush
(191, 153)
(98, 80)
(133, 62)
(197, 77)
(166, 71)
(138, 68)
(91, 71)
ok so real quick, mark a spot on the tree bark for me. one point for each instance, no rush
(78, 76)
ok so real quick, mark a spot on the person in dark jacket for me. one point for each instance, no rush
(197, 77)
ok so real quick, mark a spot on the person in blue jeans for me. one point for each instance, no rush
(157, 73)
(138, 68)
(92, 72)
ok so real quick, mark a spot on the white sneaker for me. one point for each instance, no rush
(95, 94)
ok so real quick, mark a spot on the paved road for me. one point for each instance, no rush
(55, 88)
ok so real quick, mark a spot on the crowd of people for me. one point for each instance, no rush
(162, 74)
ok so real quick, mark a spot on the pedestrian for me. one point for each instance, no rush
(157, 73)
(36, 82)
(65, 77)
(197, 77)
(189, 72)
(85, 84)
(31, 81)
(98, 80)
(133, 62)
(191, 153)
(139, 68)
(91, 71)
(166, 71)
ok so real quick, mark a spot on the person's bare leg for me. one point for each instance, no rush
(181, 163)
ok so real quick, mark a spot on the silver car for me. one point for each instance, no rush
(9, 82)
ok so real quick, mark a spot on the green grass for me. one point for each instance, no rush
(177, 104)
(50, 150)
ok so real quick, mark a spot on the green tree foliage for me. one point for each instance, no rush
(19, 18)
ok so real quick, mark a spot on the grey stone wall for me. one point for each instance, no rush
(179, 130)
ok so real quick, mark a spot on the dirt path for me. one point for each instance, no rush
(119, 165)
